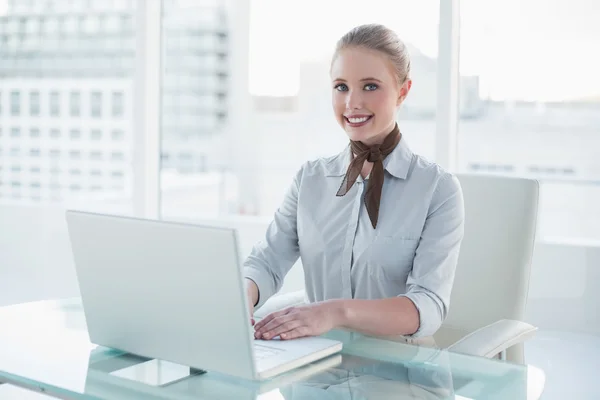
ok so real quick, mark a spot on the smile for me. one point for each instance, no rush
(358, 121)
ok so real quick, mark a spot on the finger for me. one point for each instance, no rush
(275, 322)
(252, 321)
(299, 332)
(283, 329)
(271, 316)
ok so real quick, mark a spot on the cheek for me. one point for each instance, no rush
(382, 103)
(338, 103)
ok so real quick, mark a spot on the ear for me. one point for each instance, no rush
(404, 89)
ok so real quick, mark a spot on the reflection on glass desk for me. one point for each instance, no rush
(44, 347)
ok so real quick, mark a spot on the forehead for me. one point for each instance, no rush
(358, 63)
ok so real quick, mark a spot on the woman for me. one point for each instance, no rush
(378, 228)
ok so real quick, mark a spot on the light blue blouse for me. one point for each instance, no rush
(413, 251)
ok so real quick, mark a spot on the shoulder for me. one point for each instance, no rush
(440, 182)
(325, 166)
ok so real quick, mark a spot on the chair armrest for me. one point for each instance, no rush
(495, 338)
(279, 302)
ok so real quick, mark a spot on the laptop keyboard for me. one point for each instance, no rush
(261, 351)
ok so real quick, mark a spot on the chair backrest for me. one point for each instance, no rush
(492, 276)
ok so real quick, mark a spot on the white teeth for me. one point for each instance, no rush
(358, 120)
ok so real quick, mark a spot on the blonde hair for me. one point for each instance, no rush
(378, 37)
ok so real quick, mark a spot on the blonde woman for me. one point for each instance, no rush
(378, 228)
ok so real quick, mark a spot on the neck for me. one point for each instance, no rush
(379, 138)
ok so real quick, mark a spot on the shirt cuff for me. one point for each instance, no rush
(430, 317)
(263, 281)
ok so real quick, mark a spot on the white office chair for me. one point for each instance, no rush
(492, 278)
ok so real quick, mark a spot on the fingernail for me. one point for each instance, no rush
(266, 335)
(283, 335)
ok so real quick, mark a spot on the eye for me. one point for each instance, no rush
(371, 86)
(341, 87)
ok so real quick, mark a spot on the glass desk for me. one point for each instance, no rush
(44, 347)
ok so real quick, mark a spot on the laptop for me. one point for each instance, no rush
(175, 292)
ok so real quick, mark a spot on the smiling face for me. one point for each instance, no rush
(366, 93)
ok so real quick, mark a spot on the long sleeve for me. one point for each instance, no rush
(272, 258)
(430, 282)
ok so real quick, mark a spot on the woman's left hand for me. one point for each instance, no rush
(294, 322)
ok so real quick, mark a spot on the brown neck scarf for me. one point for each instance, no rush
(375, 154)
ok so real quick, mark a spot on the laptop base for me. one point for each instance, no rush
(157, 372)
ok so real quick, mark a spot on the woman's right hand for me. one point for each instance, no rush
(252, 295)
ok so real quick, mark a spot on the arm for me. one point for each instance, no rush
(272, 258)
(385, 317)
(251, 291)
(421, 311)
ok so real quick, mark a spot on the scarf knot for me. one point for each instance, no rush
(375, 154)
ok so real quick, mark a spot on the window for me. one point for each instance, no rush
(34, 152)
(35, 170)
(91, 24)
(117, 174)
(112, 24)
(75, 171)
(0, 96)
(75, 154)
(16, 168)
(96, 155)
(15, 132)
(279, 76)
(54, 153)
(54, 104)
(96, 134)
(54, 133)
(70, 25)
(117, 104)
(96, 172)
(117, 156)
(15, 103)
(75, 134)
(75, 104)
(35, 185)
(33, 26)
(511, 116)
(34, 103)
(34, 133)
(96, 104)
(117, 135)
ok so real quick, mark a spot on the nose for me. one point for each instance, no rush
(353, 100)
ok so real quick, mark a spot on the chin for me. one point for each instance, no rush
(359, 134)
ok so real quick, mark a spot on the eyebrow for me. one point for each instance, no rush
(362, 80)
